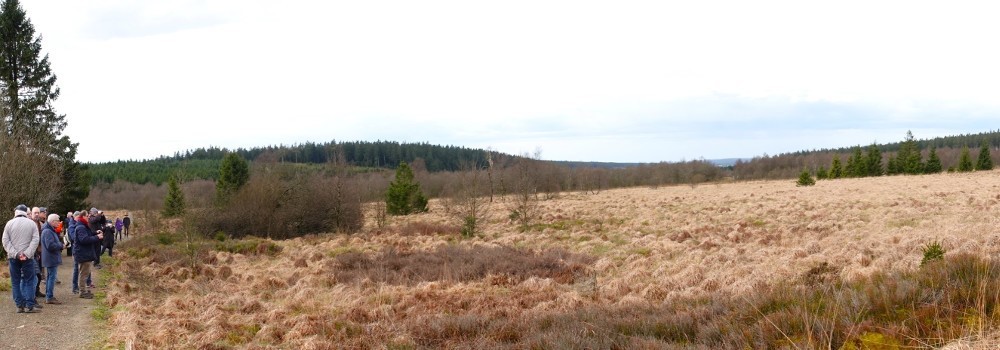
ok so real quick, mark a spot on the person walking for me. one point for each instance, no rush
(126, 222)
(51, 257)
(20, 240)
(118, 228)
(84, 253)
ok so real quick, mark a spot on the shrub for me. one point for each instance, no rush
(932, 251)
(279, 206)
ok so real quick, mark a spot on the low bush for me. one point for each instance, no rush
(279, 206)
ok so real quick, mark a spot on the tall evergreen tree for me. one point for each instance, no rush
(28, 120)
(965, 161)
(404, 196)
(933, 162)
(892, 166)
(173, 204)
(909, 158)
(873, 162)
(233, 174)
(836, 170)
(855, 163)
(985, 162)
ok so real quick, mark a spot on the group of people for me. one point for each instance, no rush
(34, 242)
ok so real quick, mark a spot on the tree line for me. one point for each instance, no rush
(203, 163)
(907, 157)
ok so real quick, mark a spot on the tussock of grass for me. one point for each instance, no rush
(249, 246)
(460, 264)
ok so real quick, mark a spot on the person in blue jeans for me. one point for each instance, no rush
(20, 240)
(51, 256)
(72, 237)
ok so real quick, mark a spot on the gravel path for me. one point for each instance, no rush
(66, 326)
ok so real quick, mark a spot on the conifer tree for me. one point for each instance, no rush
(985, 162)
(404, 196)
(892, 166)
(873, 162)
(855, 164)
(805, 179)
(822, 174)
(836, 171)
(933, 162)
(28, 121)
(965, 161)
(173, 205)
(233, 174)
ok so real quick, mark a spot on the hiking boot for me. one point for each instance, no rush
(76, 291)
(37, 305)
(39, 295)
(53, 301)
(20, 310)
(87, 295)
(31, 310)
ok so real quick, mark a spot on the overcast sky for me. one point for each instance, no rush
(613, 81)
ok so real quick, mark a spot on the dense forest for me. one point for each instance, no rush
(203, 163)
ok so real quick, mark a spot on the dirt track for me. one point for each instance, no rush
(66, 326)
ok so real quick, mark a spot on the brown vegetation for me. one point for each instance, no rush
(742, 265)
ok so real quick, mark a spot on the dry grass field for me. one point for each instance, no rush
(734, 265)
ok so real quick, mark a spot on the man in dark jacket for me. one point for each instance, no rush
(85, 252)
(52, 248)
(126, 222)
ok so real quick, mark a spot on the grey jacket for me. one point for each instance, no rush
(20, 235)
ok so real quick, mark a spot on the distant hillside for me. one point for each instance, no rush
(203, 163)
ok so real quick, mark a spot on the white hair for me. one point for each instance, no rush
(53, 218)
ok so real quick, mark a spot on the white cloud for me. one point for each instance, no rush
(578, 78)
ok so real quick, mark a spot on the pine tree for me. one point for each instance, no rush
(965, 161)
(404, 196)
(173, 205)
(822, 173)
(836, 171)
(805, 179)
(908, 159)
(855, 164)
(28, 121)
(233, 174)
(873, 162)
(892, 166)
(933, 165)
(985, 162)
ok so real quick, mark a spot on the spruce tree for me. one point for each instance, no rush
(28, 120)
(892, 166)
(173, 204)
(985, 162)
(965, 161)
(233, 174)
(805, 179)
(836, 171)
(822, 173)
(873, 162)
(933, 162)
(404, 196)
